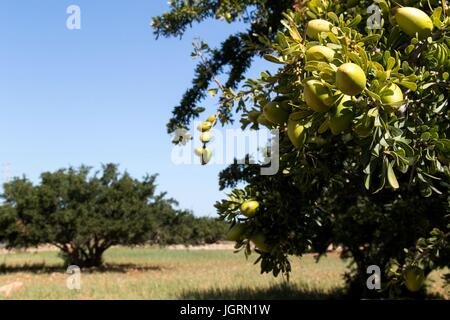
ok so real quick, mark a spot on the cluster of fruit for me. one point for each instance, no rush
(205, 127)
(350, 81)
(240, 231)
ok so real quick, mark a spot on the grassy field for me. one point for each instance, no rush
(148, 273)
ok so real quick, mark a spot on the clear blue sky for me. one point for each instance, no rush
(100, 94)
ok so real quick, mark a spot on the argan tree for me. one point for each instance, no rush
(361, 102)
(82, 214)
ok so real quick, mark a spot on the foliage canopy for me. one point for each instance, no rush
(84, 214)
(365, 154)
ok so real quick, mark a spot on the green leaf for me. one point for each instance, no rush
(355, 58)
(333, 17)
(371, 38)
(355, 21)
(364, 57)
(425, 136)
(410, 85)
(293, 31)
(373, 112)
(435, 17)
(213, 92)
(367, 182)
(199, 110)
(374, 95)
(409, 48)
(332, 37)
(390, 63)
(323, 127)
(391, 176)
(427, 85)
(273, 59)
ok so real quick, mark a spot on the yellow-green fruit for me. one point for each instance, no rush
(236, 232)
(263, 121)
(412, 20)
(276, 112)
(205, 137)
(317, 26)
(253, 115)
(350, 79)
(205, 154)
(204, 126)
(342, 116)
(198, 151)
(296, 131)
(259, 239)
(249, 208)
(212, 119)
(414, 278)
(392, 96)
(364, 128)
(317, 96)
(320, 53)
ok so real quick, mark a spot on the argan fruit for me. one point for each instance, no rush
(204, 126)
(412, 20)
(253, 115)
(296, 131)
(364, 130)
(260, 241)
(317, 96)
(320, 53)
(414, 279)
(212, 119)
(205, 154)
(276, 112)
(249, 208)
(205, 137)
(198, 151)
(317, 26)
(391, 96)
(342, 116)
(262, 120)
(350, 79)
(236, 232)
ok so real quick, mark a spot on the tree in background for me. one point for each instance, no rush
(364, 135)
(182, 227)
(84, 214)
(80, 214)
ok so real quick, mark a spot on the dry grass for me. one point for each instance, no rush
(146, 273)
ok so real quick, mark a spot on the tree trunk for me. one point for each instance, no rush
(83, 258)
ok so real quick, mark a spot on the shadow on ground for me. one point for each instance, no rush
(284, 292)
(42, 268)
(277, 292)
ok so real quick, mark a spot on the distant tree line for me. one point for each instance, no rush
(84, 213)
(182, 227)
